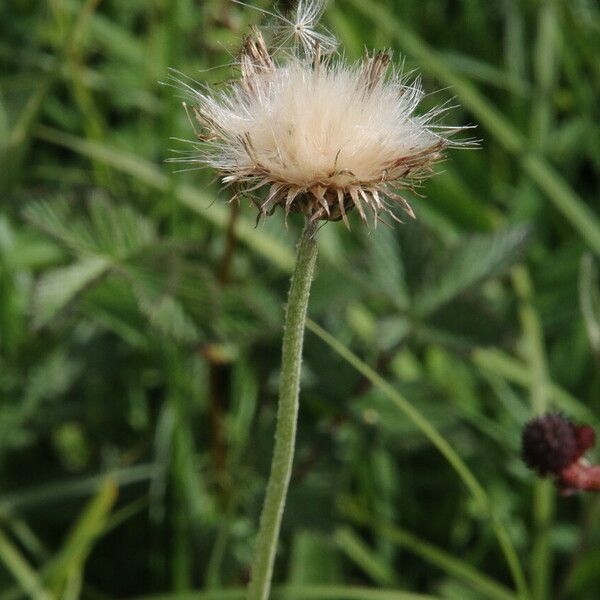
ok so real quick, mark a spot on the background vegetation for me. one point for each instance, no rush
(140, 318)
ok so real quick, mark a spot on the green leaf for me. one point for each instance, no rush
(21, 570)
(114, 39)
(364, 557)
(469, 263)
(556, 188)
(111, 231)
(387, 268)
(450, 564)
(443, 446)
(57, 491)
(112, 238)
(298, 593)
(67, 568)
(58, 287)
(498, 362)
(4, 119)
(267, 245)
(168, 316)
(314, 560)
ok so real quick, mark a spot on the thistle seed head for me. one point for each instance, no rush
(322, 136)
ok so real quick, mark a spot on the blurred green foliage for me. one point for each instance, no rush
(140, 322)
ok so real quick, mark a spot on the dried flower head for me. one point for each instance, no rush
(323, 136)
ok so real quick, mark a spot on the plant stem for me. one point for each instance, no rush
(287, 416)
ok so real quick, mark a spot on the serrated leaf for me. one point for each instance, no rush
(162, 272)
(57, 288)
(118, 230)
(246, 312)
(168, 316)
(268, 241)
(109, 230)
(50, 377)
(387, 268)
(107, 238)
(468, 264)
(51, 217)
(160, 291)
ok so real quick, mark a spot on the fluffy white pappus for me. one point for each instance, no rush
(305, 31)
(301, 29)
(324, 136)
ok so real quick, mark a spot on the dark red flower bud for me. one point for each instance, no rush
(586, 438)
(550, 443)
(553, 445)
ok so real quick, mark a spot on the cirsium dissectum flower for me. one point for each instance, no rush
(322, 135)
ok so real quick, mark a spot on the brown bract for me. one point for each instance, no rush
(322, 136)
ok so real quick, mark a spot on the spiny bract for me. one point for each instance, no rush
(324, 136)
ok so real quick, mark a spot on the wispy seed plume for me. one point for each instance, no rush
(323, 136)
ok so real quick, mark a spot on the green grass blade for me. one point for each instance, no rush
(410, 411)
(534, 340)
(197, 200)
(543, 498)
(299, 593)
(21, 570)
(46, 494)
(364, 557)
(545, 68)
(589, 301)
(345, 593)
(558, 191)
(314, 560)
(66, 569)
(453, 566)
(500, 363)
(27, 538)
(15, 147)
(447, 451)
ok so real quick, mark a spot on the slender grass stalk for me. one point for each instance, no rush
(304, 592)
(444, 447)
(587, 302)
(499, 363)
(452, 565)
(21, 570)
(545, 62)
(541, 557)
(287, 416)
(554, 186)
(365, 558)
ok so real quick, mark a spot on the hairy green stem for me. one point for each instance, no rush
(287, 416)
